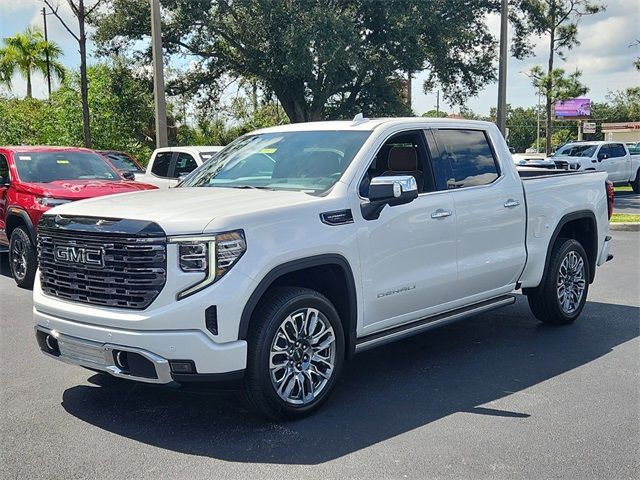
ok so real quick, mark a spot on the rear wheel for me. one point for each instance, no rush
(295, 353)
(635, 185)
(22, 258)
(561, 298)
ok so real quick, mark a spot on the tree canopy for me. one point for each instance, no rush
(321, 58)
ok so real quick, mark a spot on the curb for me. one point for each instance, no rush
(625, 227)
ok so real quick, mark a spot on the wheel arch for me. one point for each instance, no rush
(330, 274)
(17, 217)
(580, 226)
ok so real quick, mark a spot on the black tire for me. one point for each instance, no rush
(259, 392)
(545, 304)
(635, 185)
(23, 260)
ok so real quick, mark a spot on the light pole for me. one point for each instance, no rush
(502, 71)
(538, 134)
(158, 77)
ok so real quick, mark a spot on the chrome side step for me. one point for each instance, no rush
(413, 328)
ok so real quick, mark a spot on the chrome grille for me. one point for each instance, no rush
(133, 274)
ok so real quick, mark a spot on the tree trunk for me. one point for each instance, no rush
(29, 93)
(84, 87)
(549, 86)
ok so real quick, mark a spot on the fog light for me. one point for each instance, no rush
(182, 366)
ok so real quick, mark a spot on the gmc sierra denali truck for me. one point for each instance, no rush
(298, 246)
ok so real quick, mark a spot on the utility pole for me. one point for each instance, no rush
(158, 77)
(46, 39)
(409, 82)
(438, 102)
(502, 70)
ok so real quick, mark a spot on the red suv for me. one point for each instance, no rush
(35, 179)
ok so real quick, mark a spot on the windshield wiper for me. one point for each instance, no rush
(247, 186)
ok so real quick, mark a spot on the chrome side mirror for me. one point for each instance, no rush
(392, 191)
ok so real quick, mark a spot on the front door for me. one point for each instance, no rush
(408, 255)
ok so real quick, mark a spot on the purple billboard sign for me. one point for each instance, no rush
(573, 108)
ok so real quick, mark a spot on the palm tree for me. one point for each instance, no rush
(26, 53)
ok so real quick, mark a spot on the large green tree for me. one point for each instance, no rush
(557, 21)
(321, 58)
(26, 53)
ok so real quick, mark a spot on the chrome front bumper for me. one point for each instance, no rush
(99, 356)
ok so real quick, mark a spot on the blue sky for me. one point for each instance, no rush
(604, 56)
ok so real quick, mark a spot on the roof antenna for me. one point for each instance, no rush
(358, 119)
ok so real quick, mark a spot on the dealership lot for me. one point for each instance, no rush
(499, 396)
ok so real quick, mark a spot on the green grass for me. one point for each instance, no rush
(625, 218)
(623, 188)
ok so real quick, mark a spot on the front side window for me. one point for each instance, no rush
(469, 156)
(185, 164)
(311, 162)
(161, 164)
(45, 167)
(4, 169)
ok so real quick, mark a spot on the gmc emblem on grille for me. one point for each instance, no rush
(87, 256)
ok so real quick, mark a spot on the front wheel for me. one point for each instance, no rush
(22, 258)
(295, 353)
(563, 294)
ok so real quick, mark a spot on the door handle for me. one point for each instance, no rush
(440, 213)
(511, 203)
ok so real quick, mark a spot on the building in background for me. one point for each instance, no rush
(622, 132)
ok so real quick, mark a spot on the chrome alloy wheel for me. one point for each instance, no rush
(19, 258)
(302, 356)
(571, 282)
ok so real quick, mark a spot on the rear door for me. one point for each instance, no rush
(161, 168)
(490, 214)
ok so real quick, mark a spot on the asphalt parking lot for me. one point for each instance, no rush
(627, 202)
(499, 396)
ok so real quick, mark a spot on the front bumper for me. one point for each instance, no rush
(153, 353)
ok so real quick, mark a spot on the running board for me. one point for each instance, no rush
(410, 329)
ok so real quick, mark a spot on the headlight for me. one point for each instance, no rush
(212, 255)
(51, 202)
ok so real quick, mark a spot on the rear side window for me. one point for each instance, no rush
(617, 150)
(469, 157)
(161, 164)
(184, 164)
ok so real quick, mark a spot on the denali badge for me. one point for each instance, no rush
(88, 256)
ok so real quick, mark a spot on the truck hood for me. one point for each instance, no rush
(184, 210)
(81, 189)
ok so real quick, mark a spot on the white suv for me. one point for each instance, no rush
(168, 165)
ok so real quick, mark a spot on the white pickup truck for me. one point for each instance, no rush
(168, 165)
(614, 158)
(298, 246)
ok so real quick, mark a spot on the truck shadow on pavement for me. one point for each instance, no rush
(382, 393)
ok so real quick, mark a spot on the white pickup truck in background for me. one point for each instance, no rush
(614, 158)
(301, 245)
(167, 165)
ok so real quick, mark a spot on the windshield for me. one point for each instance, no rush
(122, 162)
(304, 161)
(45, 167)
(576, 151)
